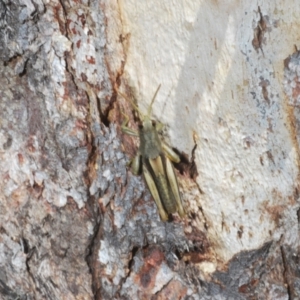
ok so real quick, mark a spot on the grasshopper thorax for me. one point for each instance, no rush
(150, 144)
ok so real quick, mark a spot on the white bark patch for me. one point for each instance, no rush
(222, 93)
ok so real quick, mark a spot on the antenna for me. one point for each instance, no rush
(150, 106)
(132, 103)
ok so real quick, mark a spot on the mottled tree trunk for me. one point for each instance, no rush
(75, 223)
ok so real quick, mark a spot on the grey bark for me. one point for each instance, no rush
(74, 222)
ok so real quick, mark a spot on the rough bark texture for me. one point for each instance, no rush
(74, 222)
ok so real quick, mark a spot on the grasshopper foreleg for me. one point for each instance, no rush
(136, 161)
(126, 129)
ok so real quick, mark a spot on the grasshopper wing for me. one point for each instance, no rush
(153, 189)
(174, 186)
(157, 166)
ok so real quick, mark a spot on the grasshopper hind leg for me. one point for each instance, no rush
(136, 164)
(170, 153)
(173, 181)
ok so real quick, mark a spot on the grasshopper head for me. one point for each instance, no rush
(146, 121)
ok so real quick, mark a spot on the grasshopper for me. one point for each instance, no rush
(156, 165)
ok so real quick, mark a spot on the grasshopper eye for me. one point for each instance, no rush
(153, 123)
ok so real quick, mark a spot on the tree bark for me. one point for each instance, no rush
(75, 223)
